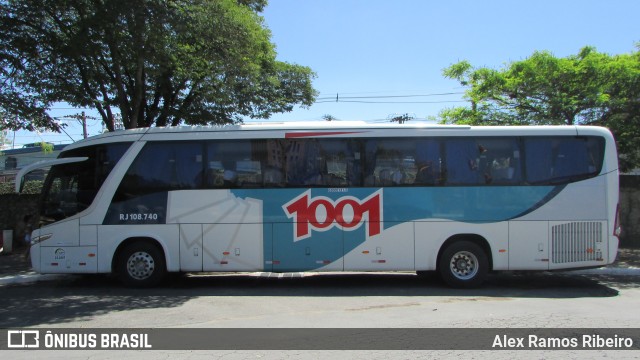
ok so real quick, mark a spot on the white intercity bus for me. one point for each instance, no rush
(330, 196)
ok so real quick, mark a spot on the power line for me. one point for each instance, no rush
(391, 102)
(338, 97)
(414, 91)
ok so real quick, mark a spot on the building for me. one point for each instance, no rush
(11, 161)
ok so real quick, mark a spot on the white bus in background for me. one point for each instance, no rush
(294, 197)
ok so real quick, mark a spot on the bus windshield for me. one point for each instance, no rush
(71, 188)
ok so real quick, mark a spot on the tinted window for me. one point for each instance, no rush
(499, 161)
(236, 164)
(562, 159)
(163, 167)
(390, 162)
(460, 161)
(141, 197)
(71, 188)
(429, 160)
(102, 159)
(320, 163)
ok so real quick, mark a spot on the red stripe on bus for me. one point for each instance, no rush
(316, 133)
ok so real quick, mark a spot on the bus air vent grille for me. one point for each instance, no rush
(576, 242)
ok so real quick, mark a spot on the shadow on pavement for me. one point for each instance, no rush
(75, 297)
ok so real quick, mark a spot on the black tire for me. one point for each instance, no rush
(141, 264)
(463, 264)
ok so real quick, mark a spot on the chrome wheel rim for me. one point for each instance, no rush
(464, 265)
(140, 265)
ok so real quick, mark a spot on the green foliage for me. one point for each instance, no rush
(156, 62)
(30, 187)
(46, 147)
(589, 88)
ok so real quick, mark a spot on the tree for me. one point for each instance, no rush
(155, 62)
(589, 88)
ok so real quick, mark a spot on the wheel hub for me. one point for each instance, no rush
(140, 265)
(464, 265)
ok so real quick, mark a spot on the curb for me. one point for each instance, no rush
(613, 271)
(29, 278)
(34, 277)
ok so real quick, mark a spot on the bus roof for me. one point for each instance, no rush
(326, 129)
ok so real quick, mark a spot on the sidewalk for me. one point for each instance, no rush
(16, 269)
(15, 264)
(628, 258)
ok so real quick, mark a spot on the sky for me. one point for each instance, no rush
(383, 58)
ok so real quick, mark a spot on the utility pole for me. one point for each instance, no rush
(401, 119)
(13, 143)
(84, 125)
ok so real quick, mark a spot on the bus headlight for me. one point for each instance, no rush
(41, 238)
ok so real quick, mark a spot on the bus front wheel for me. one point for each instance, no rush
(141, 264)
(463, 264)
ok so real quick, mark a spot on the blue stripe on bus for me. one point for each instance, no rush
(315, 246)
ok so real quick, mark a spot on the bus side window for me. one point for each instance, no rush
(164, 166)
(187, 164)
(390, 162)
(428, 163)
(236, 164)
(313, 165)
(295, 162)
(595, 155)
(499, 161)
(571, 159)
(215, 166)
(369, 163)
(560, 160)
(158, 168)
(222, 171)
(462, 161)
(274, 163)
(538, 160)
(338, 169)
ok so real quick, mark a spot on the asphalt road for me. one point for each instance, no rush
(592, 299)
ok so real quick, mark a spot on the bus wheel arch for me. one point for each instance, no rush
(140, 262)
(464, 260)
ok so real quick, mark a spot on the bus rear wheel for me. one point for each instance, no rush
(141, 264)
(463, 264)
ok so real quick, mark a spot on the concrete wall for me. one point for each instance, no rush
(630, 211)
(13, 208)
